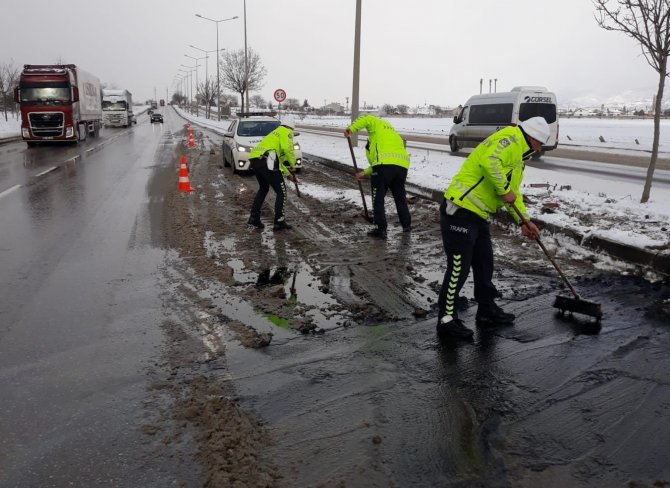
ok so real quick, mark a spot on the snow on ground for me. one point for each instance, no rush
(10, 127)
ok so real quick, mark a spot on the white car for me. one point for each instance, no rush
(243, 134)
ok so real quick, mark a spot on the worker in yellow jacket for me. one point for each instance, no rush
(272, 160)
(488, 180)
(389, 163)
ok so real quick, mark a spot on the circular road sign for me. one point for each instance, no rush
(280, 95)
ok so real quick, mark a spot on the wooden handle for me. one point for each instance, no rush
(546, 253)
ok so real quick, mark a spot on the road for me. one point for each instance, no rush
(150, 338)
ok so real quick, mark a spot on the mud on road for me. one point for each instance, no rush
(308, 357)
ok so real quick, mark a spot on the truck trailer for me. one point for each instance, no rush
(117, 108)
(59, 103)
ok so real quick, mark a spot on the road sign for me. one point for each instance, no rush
(280, 95)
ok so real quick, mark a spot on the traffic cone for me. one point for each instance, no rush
(184, 183)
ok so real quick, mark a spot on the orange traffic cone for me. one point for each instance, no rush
(184, 183)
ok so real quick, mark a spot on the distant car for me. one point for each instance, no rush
(243, 134)
(156, 117)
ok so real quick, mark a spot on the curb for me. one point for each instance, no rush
(656, 260)
(7, 140)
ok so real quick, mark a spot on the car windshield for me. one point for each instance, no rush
(107, 105)
(41, 93)
(253, 128)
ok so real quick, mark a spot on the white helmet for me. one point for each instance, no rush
(537, 128)
(288, 121)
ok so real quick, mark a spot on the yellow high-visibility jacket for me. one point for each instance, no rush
(280, 141)
(384, 145)
(494, 168)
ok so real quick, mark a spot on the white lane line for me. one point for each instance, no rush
(47, 171)
(9, 190)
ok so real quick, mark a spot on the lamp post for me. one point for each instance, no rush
(246, 63)
(207, 65)
(218, 83)
(190, 71)
(197, 89)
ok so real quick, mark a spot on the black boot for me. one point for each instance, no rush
(491, 315)
(453, 328)
(281, 225)
(379, 233)
(256, 222)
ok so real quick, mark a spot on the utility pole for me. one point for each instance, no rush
(495, 85)
(481, 80)
(490, 85)
(246, 63)
(357, 70)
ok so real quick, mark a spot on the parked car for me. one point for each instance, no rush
(244, 133)
(156, 117)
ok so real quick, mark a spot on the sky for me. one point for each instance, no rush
(413, 53)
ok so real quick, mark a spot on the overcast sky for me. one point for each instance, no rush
(414, 53)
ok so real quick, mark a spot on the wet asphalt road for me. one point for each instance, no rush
(80, 309)
(544, 403)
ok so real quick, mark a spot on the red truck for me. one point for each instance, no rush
(60, 103)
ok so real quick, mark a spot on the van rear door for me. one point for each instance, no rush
(542, 105)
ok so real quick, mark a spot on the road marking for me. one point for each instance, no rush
(47, 171)
(9, 190)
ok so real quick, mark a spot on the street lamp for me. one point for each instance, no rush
(190, 71)
(197, 89)
(218, 83)
(207, 68)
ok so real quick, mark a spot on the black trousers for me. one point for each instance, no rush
(266, 179)
(466, 238)
(393, 177)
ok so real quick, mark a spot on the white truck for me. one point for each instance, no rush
(117, 108)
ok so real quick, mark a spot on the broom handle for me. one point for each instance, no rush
(360, 185)
(546, 253)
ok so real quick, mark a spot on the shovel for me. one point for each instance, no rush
(562, 303)
(360, 185)
(295, 181)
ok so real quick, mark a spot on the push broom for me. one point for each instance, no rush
(573, 304)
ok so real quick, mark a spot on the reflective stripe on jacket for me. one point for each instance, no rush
(384, 145)
(494, 168)
(280, 141)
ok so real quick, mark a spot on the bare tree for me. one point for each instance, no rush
(292, 104)
(258, 101)
(648, 22)
(9, 78)
(207, 95)
(236, 78)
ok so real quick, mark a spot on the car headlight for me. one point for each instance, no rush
(243, 148)
(69, 132)
(296, 147)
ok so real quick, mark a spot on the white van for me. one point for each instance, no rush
(485, 114)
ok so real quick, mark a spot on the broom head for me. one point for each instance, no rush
(577, 305)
